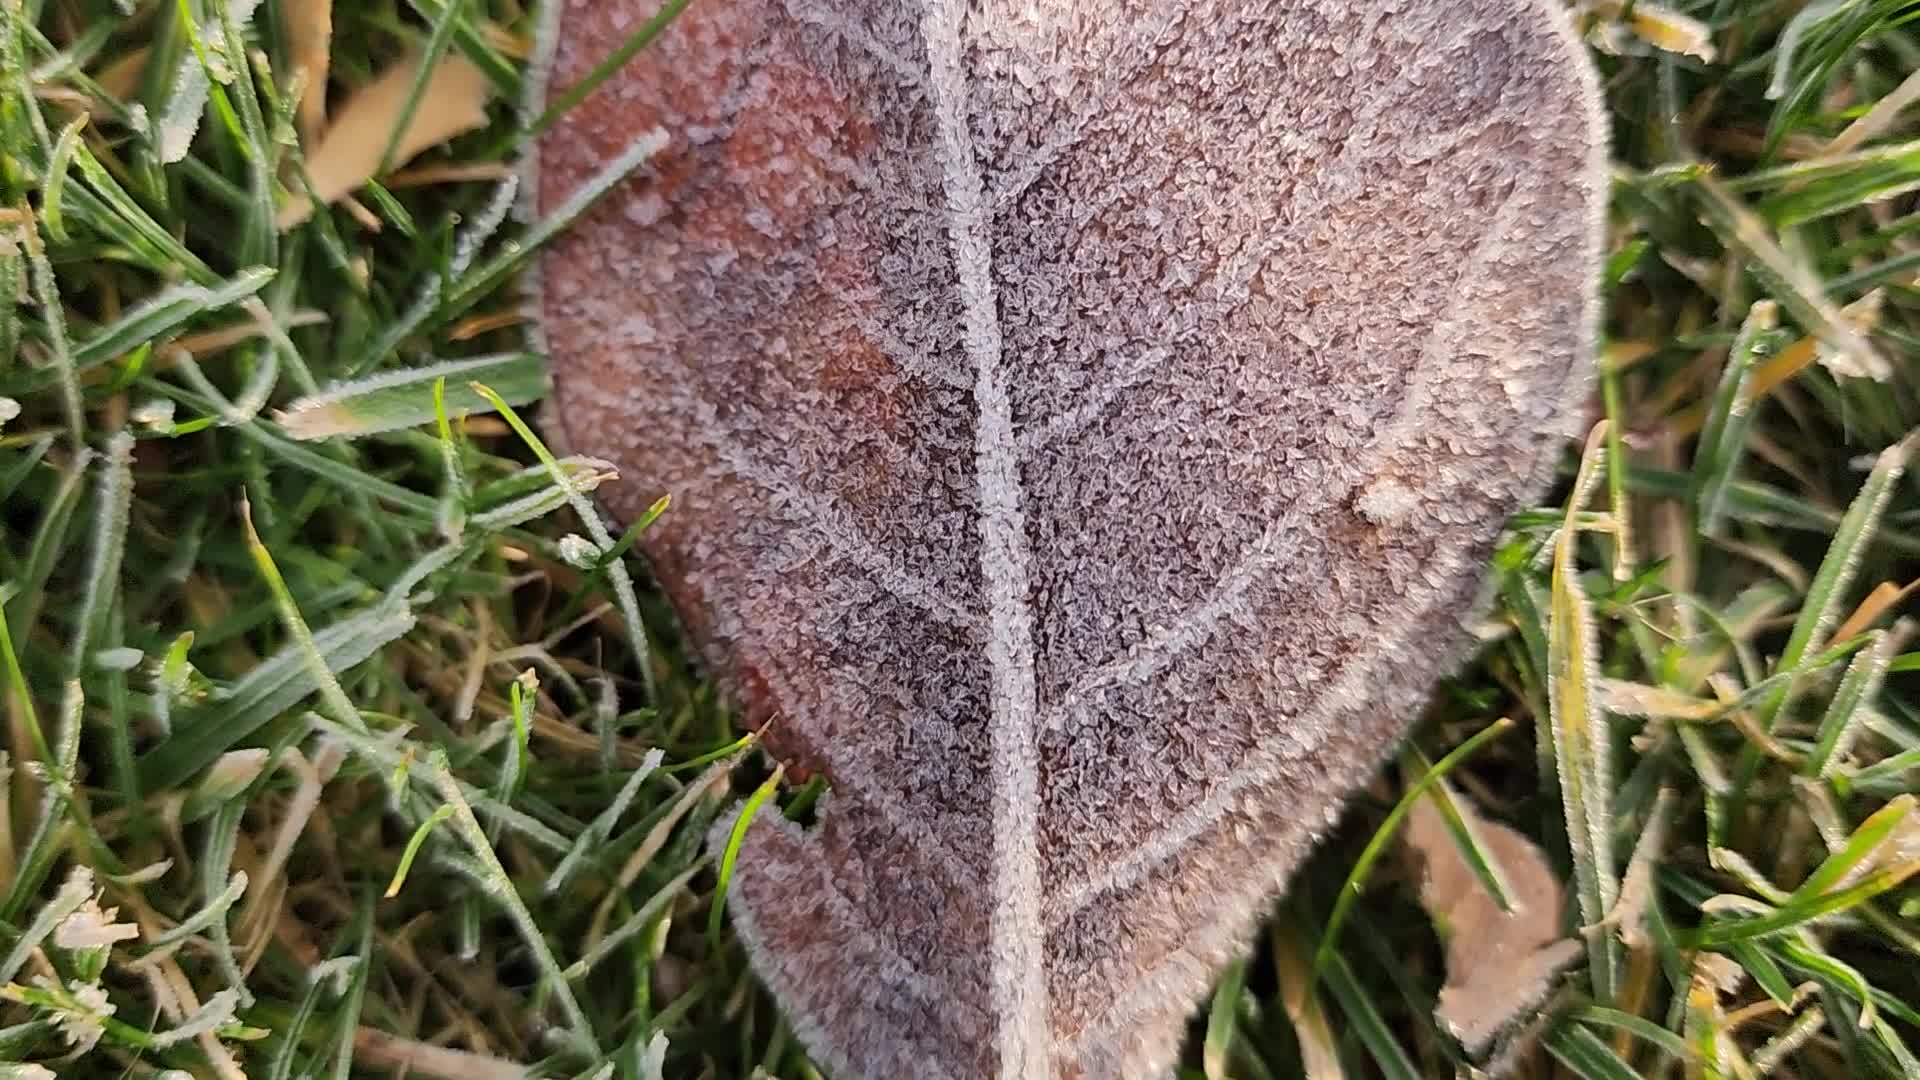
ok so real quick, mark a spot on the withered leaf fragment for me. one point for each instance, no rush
(1086, 424)
(452, 101)
(1500, 964)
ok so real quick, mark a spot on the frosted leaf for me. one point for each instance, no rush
(139, 122)
(653, 1060)
(1086, 426)
(231, 774)
(187, 101)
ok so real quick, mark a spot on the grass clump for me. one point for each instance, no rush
(341, 741)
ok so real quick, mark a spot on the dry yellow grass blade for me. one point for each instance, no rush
(309, 29)
(453, 101)
(378, 1048)
(225, 337)
(1876, 120)
(1582, 748)
(474, 326)
(1847, 351)
(1861, 315)
(1319, 1048)
(1618, 356)
(1878, 602)
(452, 172)
(1639, 699)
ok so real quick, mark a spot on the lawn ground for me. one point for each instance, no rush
(329, 751)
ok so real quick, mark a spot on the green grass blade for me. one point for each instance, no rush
(438, 39)
(730, 855)
(114, 504)
(1377, 844)
(46, 291)
(502, 891)
(1723, 438)
(167, 311)
(1366, 1024)
(1584, 1055)
(405, 398)
(1840, 726)
(1790, 282)
(56, 803)
(611, 63)
(1820, 608)
(1222, 1019)
(414, 843)
(269, 690)
(1481, 861)
(56, 179)
(617, 574)
(488, 276)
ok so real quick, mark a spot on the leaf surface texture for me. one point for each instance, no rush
(1086, 425)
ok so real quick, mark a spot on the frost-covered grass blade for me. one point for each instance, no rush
(405, 398)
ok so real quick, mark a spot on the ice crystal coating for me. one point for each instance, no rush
(1086, 424)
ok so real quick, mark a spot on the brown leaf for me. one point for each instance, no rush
(453, 101)
(120, 80)
(309, 28)
(1500, 965)
(1086, 426)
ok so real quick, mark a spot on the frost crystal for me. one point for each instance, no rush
(155, 413)
(1086, 426)
(82, 1019)
(579, 551)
